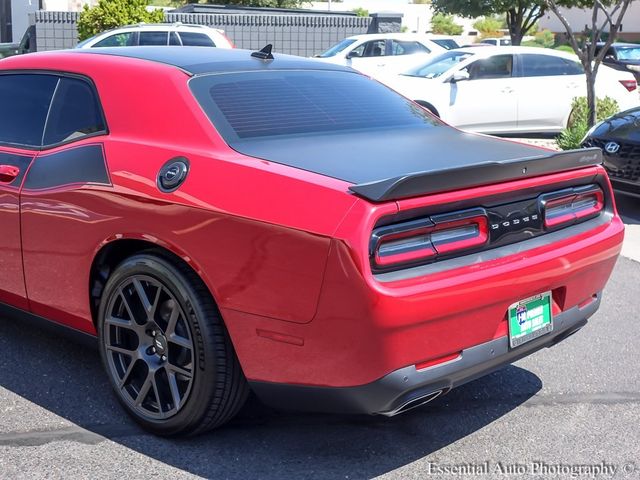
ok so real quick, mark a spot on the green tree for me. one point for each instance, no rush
(489, 27)
(521, 15)
(109, 14)
(606, 17)
(444, 24)
(360, 12)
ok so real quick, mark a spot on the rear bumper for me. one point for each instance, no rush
(407, 387)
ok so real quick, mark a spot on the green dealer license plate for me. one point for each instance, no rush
(529, 319)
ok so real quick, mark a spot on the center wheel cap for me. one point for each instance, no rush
(160, 343)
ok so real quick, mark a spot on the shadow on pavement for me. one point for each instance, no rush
(67, 380)
(628, 208)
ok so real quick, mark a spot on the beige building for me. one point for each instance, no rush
(579, 18)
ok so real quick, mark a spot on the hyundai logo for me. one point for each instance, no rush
(612, 147)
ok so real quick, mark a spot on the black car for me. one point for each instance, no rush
(619, 138)
(623, 56)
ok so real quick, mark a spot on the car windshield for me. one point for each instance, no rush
(337, 48)
(447, 43)
(439, 65)
(629, 53)
(84, 42)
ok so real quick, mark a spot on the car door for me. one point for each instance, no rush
(404, 54)
(122, 39)
(546, 87)
(487, 101)
(368, 57)
(153, 37)
(57, 193)
(25, 100)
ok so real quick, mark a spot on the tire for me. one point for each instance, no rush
(166, 350)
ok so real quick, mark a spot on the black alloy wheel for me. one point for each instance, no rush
(165, 348)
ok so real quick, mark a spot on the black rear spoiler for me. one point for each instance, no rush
(423, 183)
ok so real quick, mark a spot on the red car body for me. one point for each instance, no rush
(284, 251)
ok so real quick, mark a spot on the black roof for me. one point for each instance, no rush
(198, 60)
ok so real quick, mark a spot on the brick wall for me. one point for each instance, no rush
(304, 35)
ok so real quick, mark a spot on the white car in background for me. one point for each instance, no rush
(507, 89)
(166, 34)
(497, 42)
(386, 52)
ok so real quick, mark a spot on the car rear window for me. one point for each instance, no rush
(190, 39)
(252, 105)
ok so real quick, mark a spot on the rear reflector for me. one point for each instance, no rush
(569, 206)
(630, 85)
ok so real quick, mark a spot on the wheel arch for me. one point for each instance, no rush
(429, 107)
(113, 251)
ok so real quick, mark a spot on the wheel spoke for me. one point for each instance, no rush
(142, 295)
(180, 341)
(173, 319)
(173, 386)
(179, 370)
(119, 322)
(154, 306)
(125, 377)
(156, 392)
(144, 390)
(121, 350)
(125, 302)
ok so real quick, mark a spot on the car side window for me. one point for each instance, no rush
(407, 48)
(191, 39)
(548, 66)
(75, 112)
(154, 38)
(374, 48)
(174, 40)
(25, 100)
(498, 66)
(126, 39)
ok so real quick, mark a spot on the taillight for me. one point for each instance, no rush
(630, 85)
(426, 239)
(563, 208)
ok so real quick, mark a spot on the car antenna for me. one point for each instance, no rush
(264, 54)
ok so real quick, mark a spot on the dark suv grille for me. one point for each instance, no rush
(623, 165)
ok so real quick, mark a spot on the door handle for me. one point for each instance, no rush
(507, 90)
(8, 173)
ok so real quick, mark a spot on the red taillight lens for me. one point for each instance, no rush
(630, 85)
(450, 236)
(568, 206)
(425, 239)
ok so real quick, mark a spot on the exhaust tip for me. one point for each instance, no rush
(415, 403)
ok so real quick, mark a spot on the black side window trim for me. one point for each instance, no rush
(59, 74)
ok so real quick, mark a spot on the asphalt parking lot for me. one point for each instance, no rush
(573, 406)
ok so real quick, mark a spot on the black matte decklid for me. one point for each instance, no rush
(393, 163)
(473, 175)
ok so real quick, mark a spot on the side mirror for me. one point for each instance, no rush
(351, 55)
(610, 58)
(459, 76)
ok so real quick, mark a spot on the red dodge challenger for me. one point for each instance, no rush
(226, 221)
